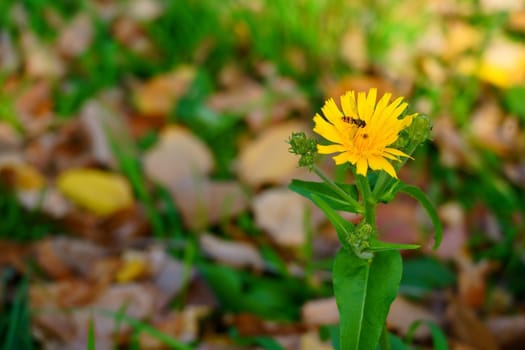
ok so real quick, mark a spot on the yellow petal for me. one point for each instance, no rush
(322, 149)
(98, 191)
(380, 163)
(327, 130)
(362, 166)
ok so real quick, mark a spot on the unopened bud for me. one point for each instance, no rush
(304, 146)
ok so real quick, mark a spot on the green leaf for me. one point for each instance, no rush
(364, 290)
(423, 275)
(343, 227)
(380, 246)
(327, 193)
(514, 100)
(422, 198)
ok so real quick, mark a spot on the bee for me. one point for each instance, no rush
(360, 123)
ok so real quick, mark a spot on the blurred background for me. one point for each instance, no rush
(144, 170)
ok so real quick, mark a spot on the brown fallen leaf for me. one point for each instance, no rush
(281, 213)
(40, 59)
(468, 328)
(157, 97)
(178, 156)
(508, 330)
(397, 222)
(76, 37)
(203, 202)
(472, 279)
(404, 313)
(311, 341)
(237, 254)
(266, 159)
(455, 236)
(320, 312)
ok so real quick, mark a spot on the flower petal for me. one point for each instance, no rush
(328, 149)
(380, 163)
(327, 130)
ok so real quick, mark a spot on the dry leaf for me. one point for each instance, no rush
(179, 155)
(493, 131)
(354, 47)
(40, 60)
(157, 96)
(508, 330)
(503, 63)
(238, 254)
(454, 233)
(203, 202)
(134, 266)
(76, 37)
(311, 341)
(266, 159)
(98, 191)
(403, 314)
(320, 312)
(49, 201)
(468, 328)
(281, 213)
(397, 222)
(472, 279)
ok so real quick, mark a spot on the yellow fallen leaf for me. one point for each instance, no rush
(503, 63)
(134, 266)
(28, 177)
(98, 191)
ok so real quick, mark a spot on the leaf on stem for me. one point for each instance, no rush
(327, 193)
(364, 290)
(343, 228)
(422, 198)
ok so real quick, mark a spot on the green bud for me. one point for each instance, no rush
(304, 146)
(360, 240)
(420, 130)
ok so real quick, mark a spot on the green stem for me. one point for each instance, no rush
(338, 189)
(368, 199)
(384, 341)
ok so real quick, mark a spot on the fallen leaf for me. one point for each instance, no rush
(472, 279)
(40, 60)
(266, 159)
(98, 191)
(320, 312)
(184, 326)
(237, 254)
(203, 202)
(404, 313)
(397, 222)
(50, 201)
(503, 63)
(455, 236)
(281, 213)
(178, 156)
(354, 47)
(509, 331)
(311, 341)
(157, 96)
(134, 266)
(468, 328)
(76, 37)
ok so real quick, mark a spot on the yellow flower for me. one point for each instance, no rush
(363, 131)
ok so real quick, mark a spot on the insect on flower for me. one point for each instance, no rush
(360, 123)
(364, 130)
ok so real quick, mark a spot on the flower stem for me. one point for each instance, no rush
(338, 189)
(384, 341)
(368, 199)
